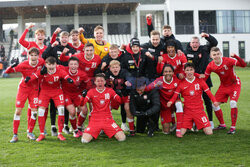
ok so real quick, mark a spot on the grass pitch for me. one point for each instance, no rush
(195, 149)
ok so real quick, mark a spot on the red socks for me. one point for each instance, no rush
(234, 114)
(179, 117)
(219, 116)
(60, 123)
(73, 123)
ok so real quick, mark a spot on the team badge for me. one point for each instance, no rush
(18, 102)
(50, 82)
(191, 92)
(87, 129)
(86, 69)
(161, 53)
(174, 67)
(145, 97)
(106, 49)
(175, 84)
(222, 72)
(102, 102)
(66, 100)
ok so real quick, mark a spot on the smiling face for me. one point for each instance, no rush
(155, 40)
(195, 44)
(98, 35)
(216, 56)
(135, 49)
(64, 39)
(33, 57)
(189, 71)
(115, 69)
(39, 37)
(75, 38)
(73, 66)
(114, 53)
(171, 51)
(168, 73)
(89, 52)
(166, 32)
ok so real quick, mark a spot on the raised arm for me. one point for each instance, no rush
(240, 62)
(22, 40)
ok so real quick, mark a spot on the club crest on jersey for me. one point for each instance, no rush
(145, 97)
(50, 82)
(175, 84)
(222, 72)
(161, 53)
(86, 69)
(106, 49)
(102, 102)
(191, 93)
(87, 129)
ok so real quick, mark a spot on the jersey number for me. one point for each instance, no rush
(197, 87)
(61, 97)
(56, 78)
(107, 96)
(114, 125)
(204, 119)
(93, 65)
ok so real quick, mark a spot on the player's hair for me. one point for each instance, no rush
(113, 46)
(171, 42)
(50, 60)
(41, 31)
(114, 62)
(195, 37)
(215, 49)
(98, 28)
(74, 32)
(100, 75)
(73, 58)
(34, 50)
(166, 27)
(141, 81)
(168, 65)
(64, 33)
(88, 45)
(155, 32)
(189, 65)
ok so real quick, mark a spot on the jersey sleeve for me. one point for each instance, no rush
(87, 98)
(176, 93)
(152, 85)
(208, 71)
(232, 62)
(116, 97)
(206, 89)
(83, 39)
(53, 38)
(22, 40)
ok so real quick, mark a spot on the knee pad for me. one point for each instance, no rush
(41, 112)
(215, 108)
(60, 110)
(233, 104)
(33, 115)
(179, 108)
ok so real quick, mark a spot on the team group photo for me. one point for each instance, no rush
(125, 83)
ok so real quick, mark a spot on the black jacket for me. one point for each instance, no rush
(201, 62)
(56, 52)
(165, 39)
(107, 59)
(129, 61)
(148, 103)
(118, 82)
(150, 65)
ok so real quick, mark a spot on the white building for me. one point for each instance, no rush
(227, 20)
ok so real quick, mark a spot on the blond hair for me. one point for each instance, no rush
(114, 62)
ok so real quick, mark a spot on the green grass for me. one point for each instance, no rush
(195, 149)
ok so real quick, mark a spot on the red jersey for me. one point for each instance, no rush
(51, 81)
(80, 79)
(88, 66)
(191, 91)
(27, 70)
(31, 44)
(166, 89)
(225, 71)
(177, 62)
(79, 49)
(101, 102)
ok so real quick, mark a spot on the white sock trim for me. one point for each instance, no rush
(17, 117)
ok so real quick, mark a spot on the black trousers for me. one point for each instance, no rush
(208, 105)
(145, 121)
(52, 113)
(123, 114)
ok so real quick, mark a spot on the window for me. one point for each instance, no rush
(207, 21)
(242, 49)
(119, 28)
(225, 45)
(64, 27)
(229, 21)
(89, 29)
(184, 45)
(184, 23)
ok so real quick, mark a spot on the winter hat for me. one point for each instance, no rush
(134, 41)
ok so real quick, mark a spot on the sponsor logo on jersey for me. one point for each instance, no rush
(50, 82)
(131, 61)
(151, 49)
(131, 67)
(190, 55)
(59, 52)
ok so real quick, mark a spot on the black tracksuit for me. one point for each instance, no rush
(145, 107)
(56, 53)
(151, 64)
(201, 65)
(165, 39)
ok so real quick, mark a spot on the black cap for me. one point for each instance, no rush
(134, 41)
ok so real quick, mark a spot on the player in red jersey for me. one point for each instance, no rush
(26, 91)
(177, 61)
(101, 116)
(73, 92)
(51, 77)
(39, 40)
(191, 90)
(74, 34)
(167, 85)
(230, 84)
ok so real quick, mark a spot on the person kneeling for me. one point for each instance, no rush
(101, 117)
